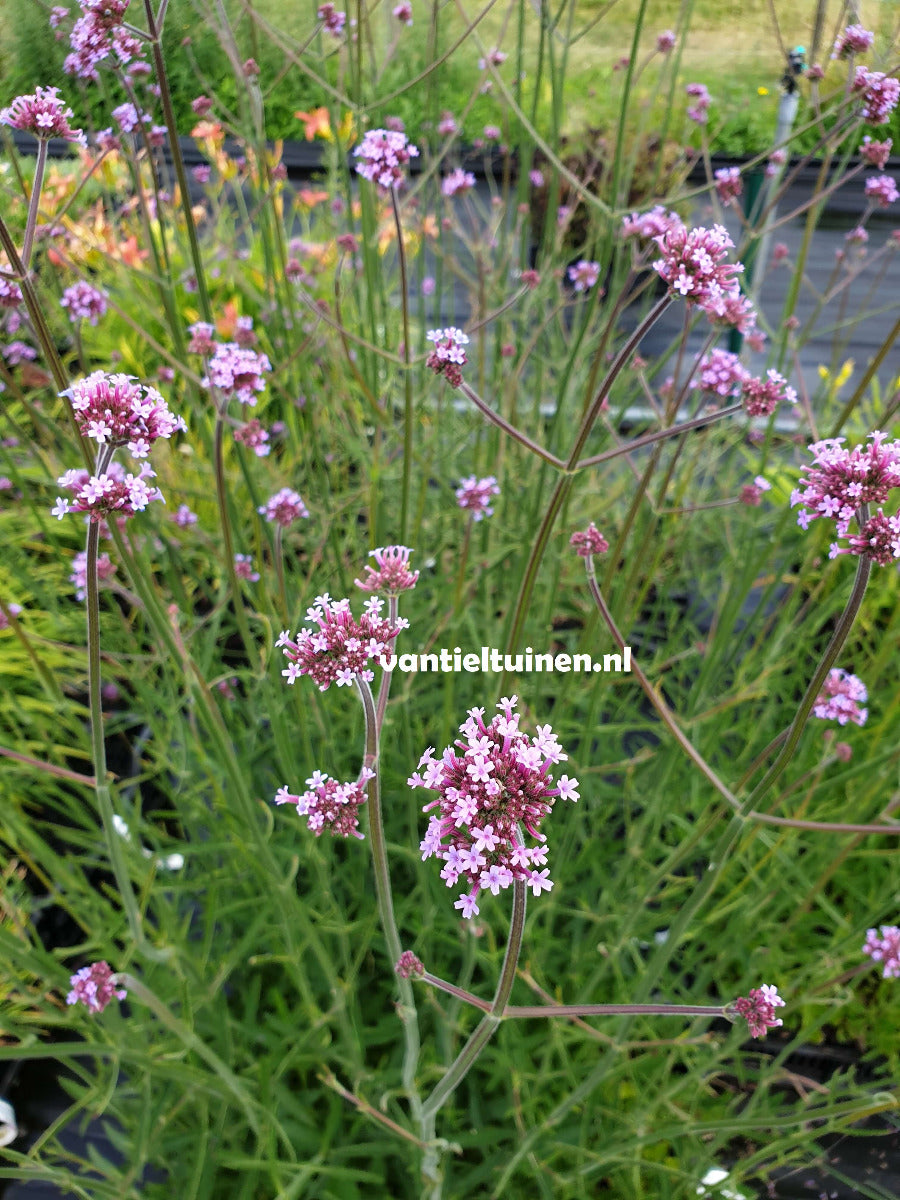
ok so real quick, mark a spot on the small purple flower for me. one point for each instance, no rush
(203, 338)
(588, 542)
(95, 987)
(752, 493)
(879, 92)
(116, 410)
(758, 1009)
(494, 792)
(42, 114)
(447, 125)
(448, 355)
(237, 371)
(284, 508)
(583, 275)
(254, 436)
(875, 153)
(884, 947)
(841, 698)
(761, 397)
(14, 610)
(702, 100)
(393, 574)
(330, 805)
(458, 182)
(494, 58)
(332, 20)
(409, 964)
(729, 184)
(383, 153)
(342, 647)
(840, 482)
(17, 353)
(10, 294)
(84, 303)
(853, 40)
(184, 518)
(722, 373)
(127, 117)
(882, 189)
(474, 495)
(652, 224)
(99, 33)
(693, 265)
(113, 493)
(403, 13)
(243, 568)
(665, 41)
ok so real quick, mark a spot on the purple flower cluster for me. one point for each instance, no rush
(752, 493)
(342, 647)
(841, 698)
(42, 114)
(235, 370)
(693, 265)
(113, 492)
(409, 964)
(853, 40)
(583, 275)
(652, 224)
(884, 947)
(882, 189)
(203, 338)
(383, 153)
(116, 410)
(492, 795)
(722, 373)
(333, 22)
(243, 568)
(761, 397)
(448, 354)
(475, 494)
(589, 541)
(95, 987)
(393, 575)
(458, 182)
(83, 302)
(729, 184)
(875, 153)
(879, 92)
(10, 294)
(255, 437)
(99, 32)
(702, 100)
(284, 508)
(330, 805)
(842, 480)
(758, 1009)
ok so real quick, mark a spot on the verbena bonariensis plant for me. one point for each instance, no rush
(423, 374)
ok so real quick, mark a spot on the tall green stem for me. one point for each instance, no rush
(484, 1030)
(407, 1007)
(841, 632)
(114, 841)
(407, 377)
